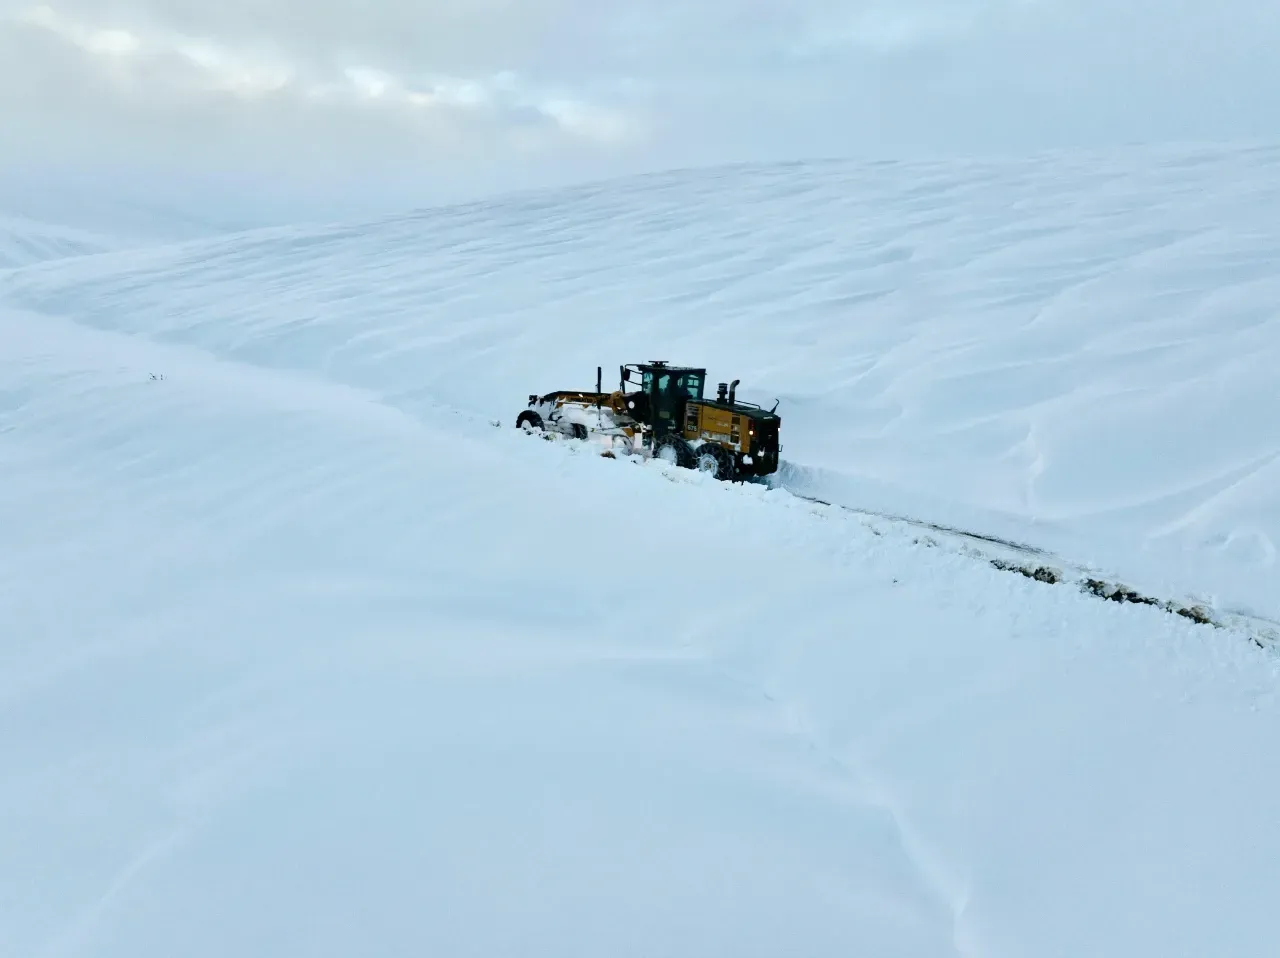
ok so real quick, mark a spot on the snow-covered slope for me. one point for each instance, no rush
(302, 656)
(1079, 353)
(140, 205)
(24, 241)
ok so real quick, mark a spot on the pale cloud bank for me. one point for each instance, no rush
(147, 66)
(514, 92)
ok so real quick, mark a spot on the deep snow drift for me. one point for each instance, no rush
(302, 656)
(24, 241)
(1077, 352)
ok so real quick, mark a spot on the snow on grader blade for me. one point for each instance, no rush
(664, 415)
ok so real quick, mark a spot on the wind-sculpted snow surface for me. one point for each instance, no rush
(24, 241)
(299, 655)
(1082, 352)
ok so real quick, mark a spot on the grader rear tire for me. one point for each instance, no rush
(715, 460)
(674, 450)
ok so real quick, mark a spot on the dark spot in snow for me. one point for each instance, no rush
(1196, 614)
(1040, 573)
(1122, 594)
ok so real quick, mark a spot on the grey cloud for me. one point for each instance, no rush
(148, 67)
(440, 35)
(515, 91)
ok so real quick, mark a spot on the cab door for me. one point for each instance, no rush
(667, 399)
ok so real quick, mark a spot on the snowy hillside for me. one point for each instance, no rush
(24, 241)
(302, 656)
(1080, 353)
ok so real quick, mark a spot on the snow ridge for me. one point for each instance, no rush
(24, 242)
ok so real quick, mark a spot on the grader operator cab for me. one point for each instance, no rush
(660, 410)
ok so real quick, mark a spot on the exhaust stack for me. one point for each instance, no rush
(733, 389)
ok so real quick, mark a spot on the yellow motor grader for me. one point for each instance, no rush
(659, 410)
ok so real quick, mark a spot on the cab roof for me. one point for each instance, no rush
(668, 368)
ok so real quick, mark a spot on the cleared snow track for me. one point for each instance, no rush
(1033, 562)
(1043, 566)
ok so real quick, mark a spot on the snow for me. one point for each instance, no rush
(301, 655)
(24, 241)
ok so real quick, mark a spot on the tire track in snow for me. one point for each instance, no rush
(1030, 561)
(1020, 558)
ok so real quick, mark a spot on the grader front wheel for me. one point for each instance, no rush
(529, 421)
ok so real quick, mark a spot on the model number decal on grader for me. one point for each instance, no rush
(659, 410)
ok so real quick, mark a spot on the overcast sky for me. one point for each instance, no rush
(414, 99)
